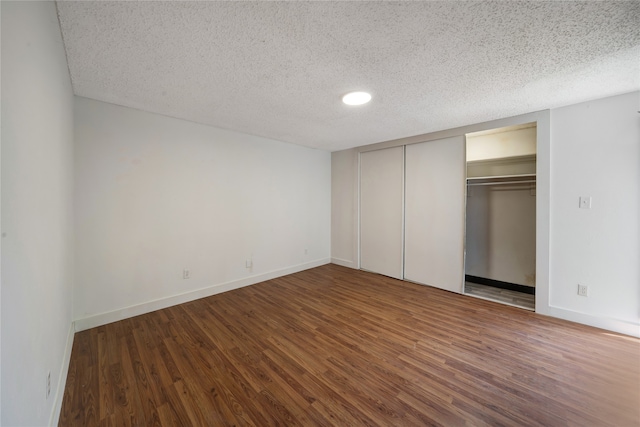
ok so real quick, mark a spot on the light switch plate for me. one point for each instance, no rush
(585, 202)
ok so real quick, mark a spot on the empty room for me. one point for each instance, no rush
(331, 213)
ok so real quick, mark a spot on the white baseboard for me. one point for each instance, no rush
(608, 323)
(148, 307)
(62, 380)
(344, 262)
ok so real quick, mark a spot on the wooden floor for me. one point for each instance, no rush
(335, 346)
(515, 298)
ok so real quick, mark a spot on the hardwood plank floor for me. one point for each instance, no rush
(335, 346)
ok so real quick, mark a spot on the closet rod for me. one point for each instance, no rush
(501, 182)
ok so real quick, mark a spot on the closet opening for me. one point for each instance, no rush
(500, 235)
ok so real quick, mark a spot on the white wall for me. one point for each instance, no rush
(344, 211)
(155, 195)
(595, 151)
(37, 233)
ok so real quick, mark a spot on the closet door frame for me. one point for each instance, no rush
(543, 192)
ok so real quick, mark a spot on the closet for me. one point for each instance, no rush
(412, 212)
(500, 243)
(456, 213)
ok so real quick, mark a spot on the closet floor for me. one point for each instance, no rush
(515, 298)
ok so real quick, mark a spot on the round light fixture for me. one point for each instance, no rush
(356, 98)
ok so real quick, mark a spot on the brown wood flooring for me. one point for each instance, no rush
(335, 346)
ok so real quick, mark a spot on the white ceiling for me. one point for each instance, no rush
(279, 69)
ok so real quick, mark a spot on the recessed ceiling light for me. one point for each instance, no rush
(356, 98)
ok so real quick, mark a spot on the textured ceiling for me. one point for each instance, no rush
(279, 69)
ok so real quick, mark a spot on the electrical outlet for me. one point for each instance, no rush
(48, 385)
(306, 251)
(583, 290)
(186, 274)
(248, 263)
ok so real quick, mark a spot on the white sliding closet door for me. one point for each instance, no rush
(435, 213)
(381, 211)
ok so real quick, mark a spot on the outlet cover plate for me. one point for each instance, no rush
(583, 290)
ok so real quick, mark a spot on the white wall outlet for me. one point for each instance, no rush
(186, 274)
(583, 290)
(585, 202)
(306, 251)
(48, 385)
(248, 263)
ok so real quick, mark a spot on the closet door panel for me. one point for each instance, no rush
(435, 213)
(381, 211)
